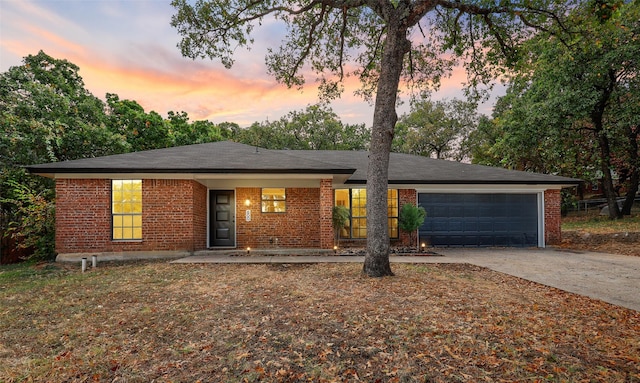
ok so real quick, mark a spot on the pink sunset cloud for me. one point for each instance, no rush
(129, 48)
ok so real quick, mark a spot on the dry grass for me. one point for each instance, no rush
(322, 323)
(602, 224)
(597, 233)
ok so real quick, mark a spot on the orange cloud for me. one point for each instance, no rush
(58, 42)
(159, 79)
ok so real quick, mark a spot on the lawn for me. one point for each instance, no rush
(142, 322)
(602, 224)
(600, 234)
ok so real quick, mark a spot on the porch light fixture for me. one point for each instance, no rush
(247, 202)
(335, 249)
(422, 246)
(248, 250)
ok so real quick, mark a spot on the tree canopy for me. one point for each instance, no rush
(382, 43)
(571, 108)
(437, 129)
(315, 128)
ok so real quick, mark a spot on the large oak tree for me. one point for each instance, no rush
(385, 41)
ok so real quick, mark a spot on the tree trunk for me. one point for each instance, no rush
(605, 150)
(634, 178)
(605, 166)
(396, 45)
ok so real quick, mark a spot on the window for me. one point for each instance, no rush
(392, 212)
(126, 209)
(356, 201)
(274, 200)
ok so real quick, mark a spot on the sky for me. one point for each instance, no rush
(129, 48)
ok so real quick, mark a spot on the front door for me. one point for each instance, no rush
(222, 218)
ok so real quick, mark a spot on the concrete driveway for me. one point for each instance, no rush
(612, 278)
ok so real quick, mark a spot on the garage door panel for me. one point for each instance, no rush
(479, 219)
(470, 240)
(485, 211)
(455, 211)
(500, 211)
(440, 211)
(501, 225)
(486, 240)
(469, 211)
(485, 225)
(453, 225)
(471, 225)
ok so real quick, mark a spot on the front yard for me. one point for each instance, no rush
(142, 322)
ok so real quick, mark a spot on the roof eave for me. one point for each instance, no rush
(562, 183)
(42, 171)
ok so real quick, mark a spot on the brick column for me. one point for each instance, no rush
(326, 207)
(552, 229)
(200, 196)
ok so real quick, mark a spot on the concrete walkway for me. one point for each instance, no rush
(612, 278)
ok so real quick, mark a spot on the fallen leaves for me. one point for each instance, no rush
(319, 323)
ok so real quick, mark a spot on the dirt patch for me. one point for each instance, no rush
(624, 243)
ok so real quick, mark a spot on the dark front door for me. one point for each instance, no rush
(222, 218)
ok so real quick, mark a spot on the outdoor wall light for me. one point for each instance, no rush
(248, 250)
(335, 249)
(422, 246)
(247, 202)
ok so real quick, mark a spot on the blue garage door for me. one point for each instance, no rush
(479, 219)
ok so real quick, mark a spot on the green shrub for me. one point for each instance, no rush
(32, 221)
(340, 218)
(411, 218)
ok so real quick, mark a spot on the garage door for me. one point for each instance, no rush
(479, 219)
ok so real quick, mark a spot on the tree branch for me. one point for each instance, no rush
(372, 58)
(343, 29)
(310, 41)
(504, 48)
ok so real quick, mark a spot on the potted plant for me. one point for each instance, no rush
(340, 218)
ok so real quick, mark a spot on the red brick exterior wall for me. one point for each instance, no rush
(200, 214)
(326, 214)
(552, 218)
(173, 216)
(83, 215)
(298, 227)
